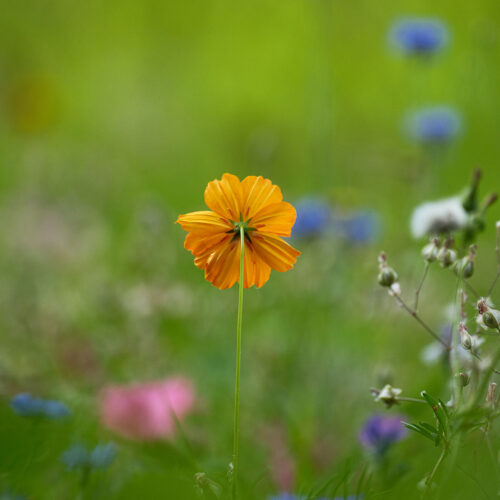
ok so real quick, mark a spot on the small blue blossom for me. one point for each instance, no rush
(380, 432)
(102, 455)
(26, 405)
(56, 409)
(435, 125)
(78, 457)
(313, 217)
(359, 227)
(419, 35)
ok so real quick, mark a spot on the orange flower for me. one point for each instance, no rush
(214, 236)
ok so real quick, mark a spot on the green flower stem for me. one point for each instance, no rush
(482, 388)
(238, 365)
(430, 478)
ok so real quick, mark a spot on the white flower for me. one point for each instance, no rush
(437, 217)
(388, 395)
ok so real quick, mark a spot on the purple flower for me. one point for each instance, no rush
(380, 432)
(419, 35)
(313, 217)
(435, 125)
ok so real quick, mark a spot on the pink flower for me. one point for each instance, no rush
(145, 412)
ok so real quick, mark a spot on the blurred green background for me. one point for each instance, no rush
(114, 116)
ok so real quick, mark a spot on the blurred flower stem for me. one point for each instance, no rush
(238, 364)
(84, 479)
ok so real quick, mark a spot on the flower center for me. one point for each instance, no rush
(247, 229)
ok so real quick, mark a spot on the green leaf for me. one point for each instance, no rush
(430, 428)
(421, 430)
(438, 410)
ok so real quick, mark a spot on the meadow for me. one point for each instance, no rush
(114, 117)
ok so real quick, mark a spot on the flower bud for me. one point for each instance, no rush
(430, 251)
(490, 320)
(487, 317)
(465, 338)
(463, 378)
(387, 276)
(446, 256)
(467, 267)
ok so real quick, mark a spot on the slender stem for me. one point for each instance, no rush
(411, 400)
(481, 390)
(454, 354)
(413, 313)
(421, 284)
(471, 289)
(430, 478)
(238, 363)
(497, 253)
(84, 479)
(188, 452)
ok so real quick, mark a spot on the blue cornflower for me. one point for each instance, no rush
(380, 432)
(26, 405)
(78, 457)
(55, 409)
(313, 217)
(419, 35)
(435, 125)
(102, 455)
(358, 227)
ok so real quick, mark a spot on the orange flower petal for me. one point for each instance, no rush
(225, 197)
(223, 268)
(199, 244)
(274, 251)
(204, 222)
(257, 193)
(206, 248)
(256, 271)
(276, 218)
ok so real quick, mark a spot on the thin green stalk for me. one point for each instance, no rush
(430, 478)
(454, 358)
(238, 365)
(84, 479)
(481, 390)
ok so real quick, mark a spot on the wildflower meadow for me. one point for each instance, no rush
(250, 251)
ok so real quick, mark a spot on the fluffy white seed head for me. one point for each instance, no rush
(437, 217)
